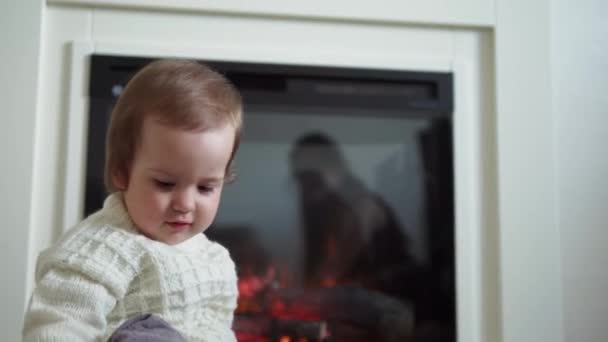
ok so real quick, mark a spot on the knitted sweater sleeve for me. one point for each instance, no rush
(78, 283)
(67, 306)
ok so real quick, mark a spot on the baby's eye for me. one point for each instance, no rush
(163, 184)
(205, 189)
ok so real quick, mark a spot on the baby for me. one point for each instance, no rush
(171, 142)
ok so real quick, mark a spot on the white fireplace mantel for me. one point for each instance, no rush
(478, 13)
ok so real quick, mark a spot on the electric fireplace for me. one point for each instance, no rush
(341, 219)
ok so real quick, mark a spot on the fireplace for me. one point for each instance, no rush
(341, 221)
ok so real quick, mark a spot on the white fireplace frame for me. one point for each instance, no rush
(471, 273)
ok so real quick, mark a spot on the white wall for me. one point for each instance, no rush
(579, 70)
(530, 286)
(20, 36)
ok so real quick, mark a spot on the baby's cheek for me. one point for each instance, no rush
(157, 203)
(208, 213)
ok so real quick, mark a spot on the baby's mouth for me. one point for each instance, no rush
(179, 225)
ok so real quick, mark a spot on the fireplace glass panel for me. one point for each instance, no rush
(340, 220)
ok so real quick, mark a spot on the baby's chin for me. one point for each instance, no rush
(175, 239)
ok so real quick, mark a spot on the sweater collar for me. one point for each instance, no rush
(116, 212)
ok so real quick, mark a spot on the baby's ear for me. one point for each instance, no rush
(120, 179)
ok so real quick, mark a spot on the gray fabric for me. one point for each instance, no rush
(146, 328)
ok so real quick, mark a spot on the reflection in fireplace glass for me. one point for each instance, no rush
(341, 219)
(328, 225)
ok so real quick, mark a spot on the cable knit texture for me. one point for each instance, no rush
(103, 272)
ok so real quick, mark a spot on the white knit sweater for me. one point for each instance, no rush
(102, 272)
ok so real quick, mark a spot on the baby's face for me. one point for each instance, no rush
(176, 180)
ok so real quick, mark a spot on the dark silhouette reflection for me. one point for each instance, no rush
(353, 239)
(351, 235)
(353, 244)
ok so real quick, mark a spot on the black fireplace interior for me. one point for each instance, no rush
(341, 220)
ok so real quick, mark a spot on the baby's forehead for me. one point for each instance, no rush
(192, 122)
(174, 147)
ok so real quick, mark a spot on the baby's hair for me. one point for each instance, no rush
(178, 93)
